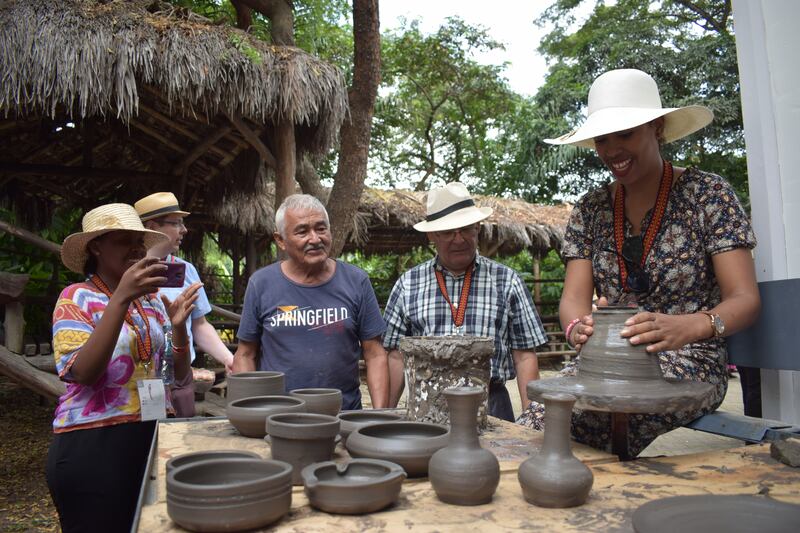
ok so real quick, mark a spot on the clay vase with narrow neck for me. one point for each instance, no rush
(555, 477)
(463, 473)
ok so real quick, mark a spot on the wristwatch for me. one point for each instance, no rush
(717, 325)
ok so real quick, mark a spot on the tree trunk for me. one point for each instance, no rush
(355, 133)
(285, 156)
(308, 179)
(279, 13)
(19, 371)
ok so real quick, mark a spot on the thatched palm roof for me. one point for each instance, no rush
(152, 90)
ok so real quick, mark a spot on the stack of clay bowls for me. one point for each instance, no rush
(320, 401)
(409, 444)
(258, 383)
(355, 487)
(229, 494)
(249, 415)
(205, 455)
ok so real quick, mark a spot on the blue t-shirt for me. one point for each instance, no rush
(201, 305)
(312, 333)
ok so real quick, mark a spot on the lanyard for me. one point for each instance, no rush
(652, 229)
(458, 315)
(144, 346)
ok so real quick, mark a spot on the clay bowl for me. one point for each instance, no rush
(409, 444)
(249, 415)
(355, 487)
(229, 494)
(301, 439)
(195, 457)
(351, 420)
(259, 383)
(320, 401)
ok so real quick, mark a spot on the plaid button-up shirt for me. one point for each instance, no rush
(498, 306)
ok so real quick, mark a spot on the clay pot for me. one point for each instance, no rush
(229, 494)
(409, 444)
(260, 383)
(463, 473)
(301, 439)
(355, 487)
(320, 401)
(195, 457)
(249, 415)
(352, 420)
(555, 477)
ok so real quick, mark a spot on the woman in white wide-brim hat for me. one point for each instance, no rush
(110, 336)
(674, 241)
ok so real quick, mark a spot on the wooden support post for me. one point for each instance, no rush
(15, 326)
(252, 138)
(537, 284)
(236, 259)
(286, 162)
(251, 255)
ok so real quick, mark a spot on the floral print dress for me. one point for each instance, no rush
(703, 218)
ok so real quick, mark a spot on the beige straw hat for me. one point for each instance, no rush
(99, 221)
(451, 207)
(626, 98)
(157, 205)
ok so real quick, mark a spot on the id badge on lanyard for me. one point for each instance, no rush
(152, 399)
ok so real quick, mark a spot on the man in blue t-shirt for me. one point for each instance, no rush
(310, 316)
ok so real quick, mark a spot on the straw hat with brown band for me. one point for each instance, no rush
(158, 205)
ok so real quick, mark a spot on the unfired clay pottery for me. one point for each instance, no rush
(616, 376)
(249, 415)
(259, 383)
(705, 513)
(409, 444)
(229, 494)
(301, 439)
(463, 473)
(355, 487)
(321, 401)
(194, 457)
(351, 420)
(555, 477)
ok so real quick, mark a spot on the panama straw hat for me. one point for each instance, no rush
(626, 98)
(99, 221)
(451, 207)
(157, 205)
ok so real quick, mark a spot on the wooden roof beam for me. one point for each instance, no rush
(144, 128)
(252, 138)
(201, 148)
(170, 123)
(82, 172)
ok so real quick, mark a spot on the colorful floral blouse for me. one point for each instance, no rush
(703, 218)
(114, 399)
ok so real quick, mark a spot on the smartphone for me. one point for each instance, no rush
(175, 274)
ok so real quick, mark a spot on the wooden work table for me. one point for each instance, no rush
(619, 488)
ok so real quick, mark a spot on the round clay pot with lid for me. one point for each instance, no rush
(555, 477)
(249, 415)
(409, 444)
(229, 494)
(257, 383)
(352, 420)
(355, 487)
(204, 455)
(463, 473)
(320, 401)
(301, 439)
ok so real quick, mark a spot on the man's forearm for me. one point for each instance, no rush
(378, 382)
(244, 360)
(527, 366)
(396, 377)
(206, 338)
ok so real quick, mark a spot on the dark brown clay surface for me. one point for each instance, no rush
(463, 473)
(301, 439)
(409, 444)
(229, 494)
(194, 457)
(355, 487)
(351, 420)
(704, 513)
(258, 383)
(249, 415)
(321, 401)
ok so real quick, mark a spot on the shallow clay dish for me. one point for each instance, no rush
(355, 487)
(194, 457)
(249, 415)
(321, 401)
(229, 494)
(258, 383)
(409, 444)
(351, 420)
(710, 513)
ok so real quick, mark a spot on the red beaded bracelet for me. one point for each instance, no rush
(569, 329)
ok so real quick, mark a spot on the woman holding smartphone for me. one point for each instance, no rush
(109, 341)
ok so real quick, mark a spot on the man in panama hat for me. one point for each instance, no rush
(161, 212)
(494, 304)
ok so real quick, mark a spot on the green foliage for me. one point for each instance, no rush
(247, 50)
(383, 270)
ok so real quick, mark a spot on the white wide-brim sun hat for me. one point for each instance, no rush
(102, 220)
(625, 98)
(451, 207)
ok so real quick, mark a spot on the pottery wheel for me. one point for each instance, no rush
(626, 396)
(706, 513)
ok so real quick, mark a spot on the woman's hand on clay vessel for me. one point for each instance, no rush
(141, 278)
(665, 332)
(181, 307)
(583, 330)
